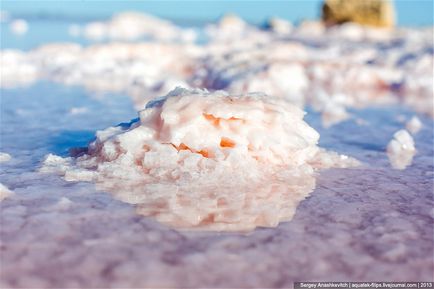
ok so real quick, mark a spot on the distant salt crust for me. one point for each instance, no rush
(137, 69)
(331, 69)
(215, 161)
(414, 125)
(133, 26)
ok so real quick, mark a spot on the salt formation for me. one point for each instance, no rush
(414, 125)
(19, 26)
(279, 26)
(135, 69)
(16, 69)
(133, 26)
(401, 150)
(331, 69)
(210, 160)
(233, 32)
(5, 157)
(63, 204)
(78, 110)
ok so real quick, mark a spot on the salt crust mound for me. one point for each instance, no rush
(133, 26)
(210, 160)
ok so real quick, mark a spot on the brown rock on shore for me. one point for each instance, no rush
(379, 13)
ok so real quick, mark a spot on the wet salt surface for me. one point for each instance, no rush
(369, 223)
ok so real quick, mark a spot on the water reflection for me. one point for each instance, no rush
(223, 205)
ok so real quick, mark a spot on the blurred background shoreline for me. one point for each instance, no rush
(410, 13)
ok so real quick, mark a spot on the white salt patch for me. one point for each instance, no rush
(134, 69)
(5, 157)
(188, 35)
(229, 22)
(63, 204)
(4, 192)
(95, 31)
(414, 125)
(78, 110)
(53, 163)
(16, 69)
(234, 32)
(133, 26)
(280, 26)
(213, 161)
(79, 175)
(19, 26)
(401, 150)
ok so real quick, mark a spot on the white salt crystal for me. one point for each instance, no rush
(207, 159)
(414, 125)
(5, 157)
(401, 150)
(19, 26)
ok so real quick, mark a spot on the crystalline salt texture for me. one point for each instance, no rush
(19, 26)
(211, 160)
(401, 150)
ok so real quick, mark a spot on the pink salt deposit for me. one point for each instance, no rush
(211, 160)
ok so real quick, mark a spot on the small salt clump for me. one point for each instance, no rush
(414, 125)
(16, 69)
(19, 26)
(401, 150)
(216, 127)
(5, 157)
(63, 204)
(78, 110)
(279, 26)
(133, 26)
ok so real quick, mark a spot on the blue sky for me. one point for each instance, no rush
(410, 12)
